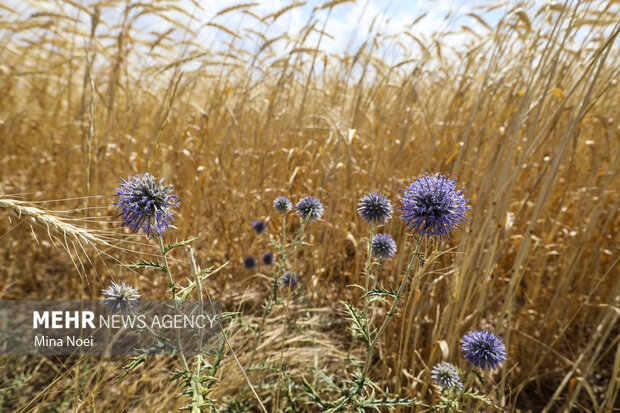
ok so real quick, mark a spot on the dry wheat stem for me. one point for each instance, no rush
(50, 222)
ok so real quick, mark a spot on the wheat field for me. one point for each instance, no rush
(524, 113)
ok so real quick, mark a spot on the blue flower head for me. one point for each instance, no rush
(483, 348)
(250, 262)
(120, 297)
(446, 376)
(375, 208)
(145, 202)
(309, 208)
(282, 204)
(267, 258)
(432, 206)
(289, 279)
(259, 226)
(383, 246)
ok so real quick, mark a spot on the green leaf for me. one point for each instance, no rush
(421, 260)
(315, 396)
(203, 274)
(358, 322)
(147, 264)
(381, 294)
(135, 362)
(480, 397)
(478, 376)
(178, 244)
(330, 383)
(390, 403)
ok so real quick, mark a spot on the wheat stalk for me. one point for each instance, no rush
(50, 222)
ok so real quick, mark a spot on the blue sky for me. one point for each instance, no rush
(349, 23)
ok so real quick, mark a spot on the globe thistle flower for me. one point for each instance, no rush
(483, 348)
(446, 376)
(259, 226)
(267, 258)
(432, 206)
(289, 279)
(250, 262)
(120, 297)
(375, 208)
(282, 204)
(383, 246)
(309, 208)
(145, 203)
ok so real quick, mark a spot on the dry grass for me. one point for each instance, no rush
(526, 116)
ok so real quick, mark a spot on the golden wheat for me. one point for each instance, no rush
(51, 223)
(525, 115)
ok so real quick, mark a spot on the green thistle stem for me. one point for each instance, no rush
(375, 340)
(198, 399)
(298, 241)
(171, 284)
(272, 297)
(173, 289)
(373, 227)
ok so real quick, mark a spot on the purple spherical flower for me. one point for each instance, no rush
(309, 208)
(432, 206)
(250, 262)
(267, 258)
(446, 376)
(375, 208)
(483, 348)
(383, 246)
(282, 204)
(259, 226)
(145, 202)
(120, 297)
(289, 279)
